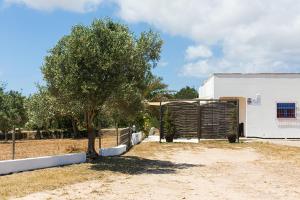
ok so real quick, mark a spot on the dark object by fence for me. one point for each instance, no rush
(211, 119)
(241, 130)
(231, 138)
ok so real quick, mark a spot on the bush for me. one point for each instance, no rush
(231, 138)
(169, 126)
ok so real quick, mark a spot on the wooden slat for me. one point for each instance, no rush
(214, 119)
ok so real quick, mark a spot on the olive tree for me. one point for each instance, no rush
(93, 61)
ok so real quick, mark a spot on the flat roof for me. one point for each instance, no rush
(252, 75)
(257, 75)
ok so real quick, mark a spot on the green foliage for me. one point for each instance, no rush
(186, 93)
(169, 125)
(126, 101)
(155, 88)
(41, 110)
(12, 110)
(101, 64)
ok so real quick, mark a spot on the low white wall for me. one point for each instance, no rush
(136, 138)
(19, 165)
(114, 151)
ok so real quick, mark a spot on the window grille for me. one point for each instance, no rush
(286, 110)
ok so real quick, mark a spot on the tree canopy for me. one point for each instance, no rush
(186, 93)
(92, 62)
(12, 110)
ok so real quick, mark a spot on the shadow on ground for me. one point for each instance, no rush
(137, 165)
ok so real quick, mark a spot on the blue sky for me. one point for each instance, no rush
(200, 36)
(27, 34)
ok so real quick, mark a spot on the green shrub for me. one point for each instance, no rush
(170, 128)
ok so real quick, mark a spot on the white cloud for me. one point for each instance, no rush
(200, 51)
(50, 5)
(254, 35)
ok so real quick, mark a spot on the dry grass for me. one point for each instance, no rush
(36, 148)
(48, 147)
(138, 159)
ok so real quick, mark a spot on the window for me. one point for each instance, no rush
(286, 110)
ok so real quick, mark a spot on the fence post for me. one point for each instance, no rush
(129, 137)
(238, 119)
(161, 121)
(117, 132)
(13, 143)
(199, 121)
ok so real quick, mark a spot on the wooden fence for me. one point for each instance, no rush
(112, 138)
(125, 136)
(212, 119)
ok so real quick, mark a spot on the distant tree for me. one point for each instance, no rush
(5, 125)
(186, 93)
(17, 110)
(12, 110)
(41, 109)
(92, 62)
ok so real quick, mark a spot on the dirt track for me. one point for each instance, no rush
(189, 171)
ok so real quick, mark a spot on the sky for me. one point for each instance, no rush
(200, 36)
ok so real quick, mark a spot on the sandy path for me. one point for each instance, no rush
(194, 174)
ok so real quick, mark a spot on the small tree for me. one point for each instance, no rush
(169, 125)
(186, 93)
(92, 62)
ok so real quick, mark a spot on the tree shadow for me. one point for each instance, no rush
(134, 165)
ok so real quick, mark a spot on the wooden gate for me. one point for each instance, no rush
(209, 119)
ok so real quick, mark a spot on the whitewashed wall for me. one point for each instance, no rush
(113, 151)
(19, 165)
(261, 119)
(206, 91)
(136, 138)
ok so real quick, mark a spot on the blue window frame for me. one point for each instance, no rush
(286, 110)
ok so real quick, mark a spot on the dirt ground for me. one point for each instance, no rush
(212, 170)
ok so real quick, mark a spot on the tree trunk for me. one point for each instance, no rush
(75, 128)
(91, 152)
(38, 134)
(117, 132)
(5, 136)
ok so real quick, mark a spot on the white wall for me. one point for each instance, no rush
(261, 119)
(19, 165)
(136, 138)
(113, 151)
(206, 91)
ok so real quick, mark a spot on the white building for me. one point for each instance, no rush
(268, 102)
